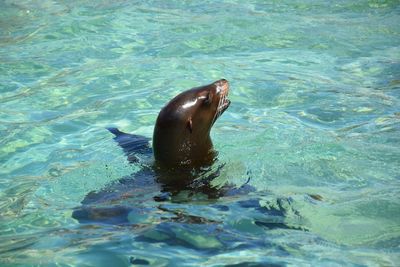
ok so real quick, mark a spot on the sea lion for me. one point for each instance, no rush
(181, 170)
(182, 149)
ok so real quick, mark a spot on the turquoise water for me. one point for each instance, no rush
(314, 123)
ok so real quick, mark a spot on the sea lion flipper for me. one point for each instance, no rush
(132, 144)
(115, 131)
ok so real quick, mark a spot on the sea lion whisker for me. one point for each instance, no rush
(221, 107)
(216, 115)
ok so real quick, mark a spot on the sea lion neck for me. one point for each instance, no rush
(181, 138)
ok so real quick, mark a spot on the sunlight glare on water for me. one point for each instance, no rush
(313, 126)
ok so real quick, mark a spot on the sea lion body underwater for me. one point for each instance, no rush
(183, 156)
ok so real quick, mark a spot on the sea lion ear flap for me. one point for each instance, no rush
(208, 99)
(190, 124)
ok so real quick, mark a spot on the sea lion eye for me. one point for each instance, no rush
(208, 99)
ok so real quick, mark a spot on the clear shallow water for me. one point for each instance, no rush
(315, 110)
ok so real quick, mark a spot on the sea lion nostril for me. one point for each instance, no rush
(221, 82)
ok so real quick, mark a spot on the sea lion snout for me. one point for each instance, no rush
(222, 86)
(222, 90)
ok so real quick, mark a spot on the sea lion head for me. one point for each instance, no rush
(182, 131)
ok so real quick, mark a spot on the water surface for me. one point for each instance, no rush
(314, 123)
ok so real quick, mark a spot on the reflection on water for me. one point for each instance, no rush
(314, 124)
